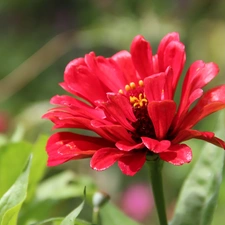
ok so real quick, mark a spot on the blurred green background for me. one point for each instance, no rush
(38, 38)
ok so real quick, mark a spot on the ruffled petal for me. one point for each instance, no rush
(173, 36)
(104, 158)
(154, 87)
(161, 114)
(63, 119)
(155, 64)
(128, 146)
(130, 164)
(171, 52)
(141, 53)
(159, 86)
(77, 107)
(119, 108)
(124, 61)
(65, 146)
(175, 57)
(122, 103)
(210, 102)
(81, 81)
(185, 135)
(177, 154)
(110, 74)
(155, 145)
(114, 131)
(198, 75)
(107, 72)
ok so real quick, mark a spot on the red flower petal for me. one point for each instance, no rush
(155, 64)
(120, 110)
(127, 146)
(155, 145)
(114, 131)
(174, 36)
(130, 164)
(64, 146)
(174, 56)
(142, 56)
(159, 86)
(198, 75)
(122, 102)
(210, 102)
(106, 71)
(104, 128)
(161, 114)
(104, 158)
(177, 154)
(184, 135)
(123, 59)
(77, 107)
(171, 52)
(81, 81)
(110, 74)
(154, 87)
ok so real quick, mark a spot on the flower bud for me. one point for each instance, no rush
(99, 199)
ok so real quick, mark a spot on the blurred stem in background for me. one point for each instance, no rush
(34, 65)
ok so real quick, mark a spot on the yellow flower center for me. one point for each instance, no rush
(138, 102)
(136, 94)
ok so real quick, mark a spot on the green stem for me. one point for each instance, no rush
(155, 168)
(95, 215)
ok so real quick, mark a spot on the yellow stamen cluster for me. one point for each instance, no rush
(132, 86)
(138, 102)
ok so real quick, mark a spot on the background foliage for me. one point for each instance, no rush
(37, 40)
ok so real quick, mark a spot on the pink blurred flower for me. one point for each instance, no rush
(137, 201)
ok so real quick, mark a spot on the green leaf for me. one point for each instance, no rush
(111, 213)
(70, 219)
(12, 200)
(59, 219)
(52, 190)
(38, 165)
(55, 219)
(199, 193)
(12, 155)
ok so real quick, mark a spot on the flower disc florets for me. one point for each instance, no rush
(128, 101)
(143, 125)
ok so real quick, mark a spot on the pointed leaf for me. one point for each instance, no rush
(12, 200)
(70, 219)
(55, 219)
(9, 159)
(38, 165)
(59, 219)
(199, 194)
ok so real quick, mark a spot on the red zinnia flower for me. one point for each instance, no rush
(127, 100)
